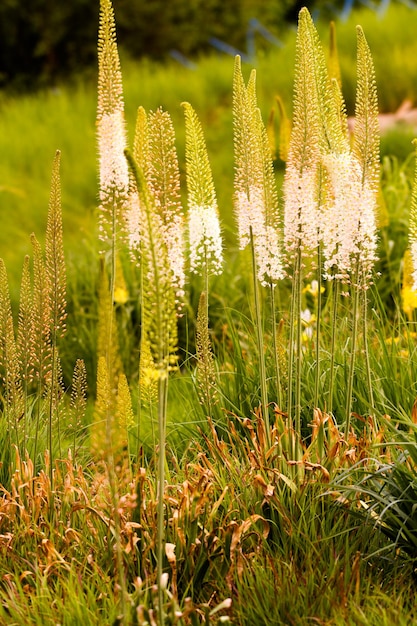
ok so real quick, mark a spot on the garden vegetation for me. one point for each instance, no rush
(200, 432)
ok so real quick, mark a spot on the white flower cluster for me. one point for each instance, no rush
(413, 250)
(173, 234)
(133, 223)
(114, 172)
(206, 248)
(252, 222)
(301, 209)
(348, 224)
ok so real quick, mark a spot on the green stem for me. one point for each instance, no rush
(139, 409)
(259, 338)
(162, 411)
(275, 348)
(335, 290)
(298, 355)
(318, 330)
(366, 350)
(355, 292)
(51, 410)
(294, 356)
(206, 288)
(109, 422)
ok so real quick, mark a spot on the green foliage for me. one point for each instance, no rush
(387, 495)
(227, 512)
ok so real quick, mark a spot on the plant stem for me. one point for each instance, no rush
(162, 411)
(318, 330)
(109, 421)
(275, 348)
(51, 409)
(333, 344)
(355, 292)
(298, 355)
(294, 356)
(366, 350)
(259, 338)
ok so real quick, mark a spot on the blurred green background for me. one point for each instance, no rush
(44, 40)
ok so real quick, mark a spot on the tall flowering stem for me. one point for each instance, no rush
(412, 237)
(256, 204)
(56, 278)
(111, 137)
(301, 189)
(111, 132)
(205, 240)
(9, 364)
(319, 134)
(24, 330)
(40, 365)
(113, 194)
(159, 323)
(366, 151)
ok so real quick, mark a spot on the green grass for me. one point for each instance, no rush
(287, 543)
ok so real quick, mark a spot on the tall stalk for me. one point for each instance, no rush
(294, 356)
(318, 328)
(298, 353)
(160, 540)
(351, 375)
(335, 302)
(56, 279)
(159, 322)
(275, 348)
(366, 351)
(260, 343)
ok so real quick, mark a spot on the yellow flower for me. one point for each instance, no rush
(408, 293)
(409, 300)
(313, 288)
(120, 295)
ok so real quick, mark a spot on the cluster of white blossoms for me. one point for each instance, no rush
(301, 209)
(173, 235)
(252, 224)
(205, 240)
(111, 131)
(204, 233)
(348, 227)
(169, 229)
(133, 223)
(114, 173)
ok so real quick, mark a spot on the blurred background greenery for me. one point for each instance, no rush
(44, 41)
